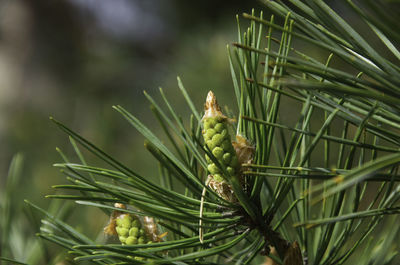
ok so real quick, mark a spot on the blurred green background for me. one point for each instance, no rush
(74, 59)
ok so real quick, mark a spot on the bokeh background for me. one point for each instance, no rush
(74, 59)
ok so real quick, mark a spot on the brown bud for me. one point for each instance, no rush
(211, 107)
(244, 150)
(293, 255)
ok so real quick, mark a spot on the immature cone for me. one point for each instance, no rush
(127, 227)
(218, 141)
(130, 231)
(110, 228)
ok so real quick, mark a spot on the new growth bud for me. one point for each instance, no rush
(218, 140)
(127, 227)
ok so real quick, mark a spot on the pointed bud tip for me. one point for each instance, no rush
(212, 109)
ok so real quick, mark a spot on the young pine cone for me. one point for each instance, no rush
(130, 231)
(127, 227)
(218, 140)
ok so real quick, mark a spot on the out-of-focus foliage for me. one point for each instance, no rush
(19, 225)
(74, 59)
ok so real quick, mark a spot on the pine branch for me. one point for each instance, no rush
(313, 138)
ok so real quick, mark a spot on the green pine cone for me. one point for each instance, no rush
(217, 139)
(130, 231)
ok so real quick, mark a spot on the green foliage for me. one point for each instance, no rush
(18, 224)
(8, 214)
(325, 171)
